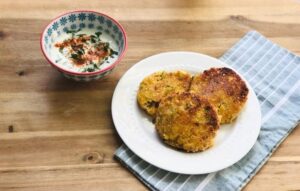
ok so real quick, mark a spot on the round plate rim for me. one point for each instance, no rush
(189, 171)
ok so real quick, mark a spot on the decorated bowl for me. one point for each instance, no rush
(83, 45)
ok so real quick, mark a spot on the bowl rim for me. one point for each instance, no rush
(81, 73)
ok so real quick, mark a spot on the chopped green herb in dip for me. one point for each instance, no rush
(86, 52)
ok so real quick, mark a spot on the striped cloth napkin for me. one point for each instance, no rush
(274, 73)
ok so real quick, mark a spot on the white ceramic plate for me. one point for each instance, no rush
(232, 142)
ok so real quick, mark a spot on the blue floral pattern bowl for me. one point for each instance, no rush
(83, 20)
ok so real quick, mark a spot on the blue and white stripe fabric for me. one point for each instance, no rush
(274, 74)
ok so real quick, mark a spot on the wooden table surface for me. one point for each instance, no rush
(57, 134)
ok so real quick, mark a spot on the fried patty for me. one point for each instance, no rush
(224, 89)
(187, 122)
(160, 84)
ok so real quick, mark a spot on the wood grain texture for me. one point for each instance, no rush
(57, 134)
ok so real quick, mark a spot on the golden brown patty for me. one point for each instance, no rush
(224, 89)
(186, 121)
(160, 84)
